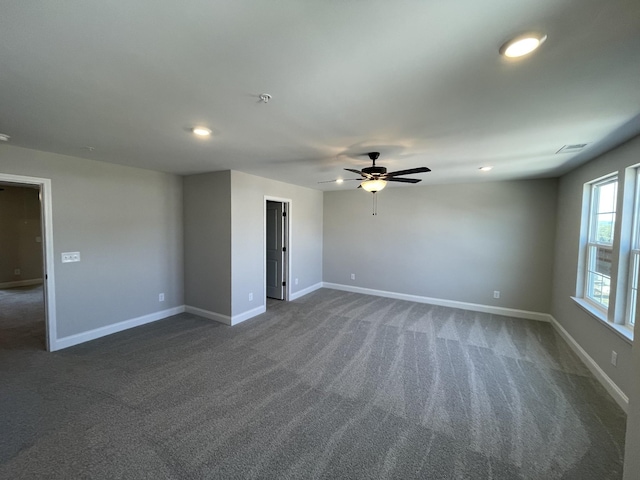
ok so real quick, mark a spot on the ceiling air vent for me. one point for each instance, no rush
(572, 148)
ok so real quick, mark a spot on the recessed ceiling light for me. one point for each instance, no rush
(202, 131)
(485, 169)
(339, 180)
(522, 45)
(4, 137)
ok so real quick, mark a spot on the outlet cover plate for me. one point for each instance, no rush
(69, 257)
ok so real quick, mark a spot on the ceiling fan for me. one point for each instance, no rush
(375, 178)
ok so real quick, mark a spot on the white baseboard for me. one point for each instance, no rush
(306, 291)
(476, 307)
(226, 319)
(78, 338)
(613, 389)
(21, 283)
(236, 319)
(218, 317)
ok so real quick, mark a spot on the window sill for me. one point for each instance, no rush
(622, 330)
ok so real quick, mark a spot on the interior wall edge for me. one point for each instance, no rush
(22, 283)
(610, 386)
(78, 338)
(305, 291)
(208, 314)
(476, 307)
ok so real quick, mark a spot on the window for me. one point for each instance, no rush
(599, 248)
(634, 258)
(609, 267)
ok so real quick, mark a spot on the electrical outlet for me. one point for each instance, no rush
(296, 281)
(251, 297)
(16, 271)
(614, 358)
(496, 294)
(161, 297)
(353, 276)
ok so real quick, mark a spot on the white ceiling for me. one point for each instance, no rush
(420, 81)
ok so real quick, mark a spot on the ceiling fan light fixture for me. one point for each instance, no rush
(522, 45)
(373, 186)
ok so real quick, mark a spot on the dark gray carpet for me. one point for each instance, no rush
(22, 318)
(333, 385)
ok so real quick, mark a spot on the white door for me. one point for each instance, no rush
(275, 245)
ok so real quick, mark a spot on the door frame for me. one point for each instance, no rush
(287, 242)
(46, 219)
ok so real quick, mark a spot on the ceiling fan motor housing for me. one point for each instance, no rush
(375, 170)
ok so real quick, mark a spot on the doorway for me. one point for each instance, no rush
(27, 305)
(276, 247)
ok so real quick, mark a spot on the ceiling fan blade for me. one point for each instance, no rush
(403, 180)
(344, 180)
(409, 171)
(365, 175)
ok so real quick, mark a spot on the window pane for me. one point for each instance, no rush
(633, 287)
(602, 218)
(601, 260)
(599, 274)
(607, 197)
(604, 227)
(632, 307)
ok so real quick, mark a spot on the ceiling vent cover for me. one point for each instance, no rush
(572, 148)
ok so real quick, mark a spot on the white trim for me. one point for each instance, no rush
(226, 319)
(21, 283)
(254, 312)
(306, 291)
(46, 212)
(476, 307)
(613, 389)
(622, 330)
(218, 317)
(78, 338)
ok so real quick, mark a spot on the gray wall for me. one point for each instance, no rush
(592, 335)
(247, 252)
(207, 241)
(127, 225)
(20, 227)
(453, 242)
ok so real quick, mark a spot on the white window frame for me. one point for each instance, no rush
(592, 244)
(634, 259)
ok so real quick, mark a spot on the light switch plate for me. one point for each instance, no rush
(68, 257)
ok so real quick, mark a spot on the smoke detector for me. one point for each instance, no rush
(265, 97)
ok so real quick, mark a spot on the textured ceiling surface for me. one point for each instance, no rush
(420, 81)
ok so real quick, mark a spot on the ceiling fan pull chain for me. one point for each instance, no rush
(375, 204)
